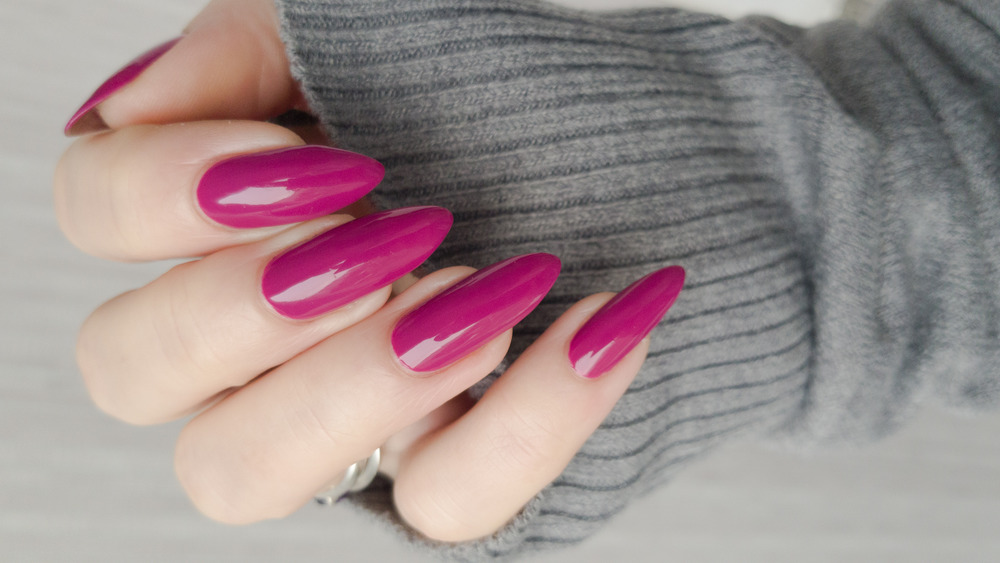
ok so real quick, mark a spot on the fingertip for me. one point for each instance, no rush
(286, 185)
(623, 322)
(350, 260)
(229, 64)
(88, 119)
(480, 307)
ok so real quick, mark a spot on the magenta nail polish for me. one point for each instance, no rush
(85, 119)
(285, 186)
(475, 310)
(618, 326)
(352, 260)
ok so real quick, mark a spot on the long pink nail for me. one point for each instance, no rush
(352, 260)
(475, 310)
(285, 186)
(86, 119)
(623, 322)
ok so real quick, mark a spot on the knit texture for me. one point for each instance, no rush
(832, 194)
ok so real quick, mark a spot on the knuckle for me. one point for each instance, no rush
(316, 425)
(125, 230)
(182, 331)
(105, 392)
(435, 512)
(208, 495)
(65, 179)
(60, 198)
(222, 491)
(98, 207)
(94, 382)
(524, 439)
(88, 364)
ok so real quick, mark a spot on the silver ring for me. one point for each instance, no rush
(358, 476)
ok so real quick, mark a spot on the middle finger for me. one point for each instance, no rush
(158, 352)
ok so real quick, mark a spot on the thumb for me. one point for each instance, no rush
(229, 64)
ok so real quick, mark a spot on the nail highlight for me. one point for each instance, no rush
(352, 260)
(87, 119)
(285, 186)
(618, 326)
(474, 311)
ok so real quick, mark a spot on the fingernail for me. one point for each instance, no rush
(285, 186)
(618, 326)
(352, 260)
(87, 119)
(472, 312)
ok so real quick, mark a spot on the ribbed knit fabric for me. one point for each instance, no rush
(832, 193)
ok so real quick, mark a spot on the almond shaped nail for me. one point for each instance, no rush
(352, 260)
(473, 311)
(618, 326)
(86, 119)
(285, 186)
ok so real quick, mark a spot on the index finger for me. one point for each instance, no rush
(152, 192)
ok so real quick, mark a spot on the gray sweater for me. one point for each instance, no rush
(834, 194)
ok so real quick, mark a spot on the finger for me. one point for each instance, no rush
(152, 192)
(268, 448)
(472, 477)
(159, 352)
(229, 64)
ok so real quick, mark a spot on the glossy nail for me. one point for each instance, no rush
(618, 326)
(285, 186)
(87, 119)
(352, 260)
(472, 312)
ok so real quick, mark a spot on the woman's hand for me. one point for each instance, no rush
(282, 338)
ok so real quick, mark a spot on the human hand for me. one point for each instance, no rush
(338, 381)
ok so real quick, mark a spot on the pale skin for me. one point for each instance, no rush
(284, 407)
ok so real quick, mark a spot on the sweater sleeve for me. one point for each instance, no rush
(832, 193)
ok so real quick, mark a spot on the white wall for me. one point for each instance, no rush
(801, 12)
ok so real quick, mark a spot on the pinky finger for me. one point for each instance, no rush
(470, 478)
